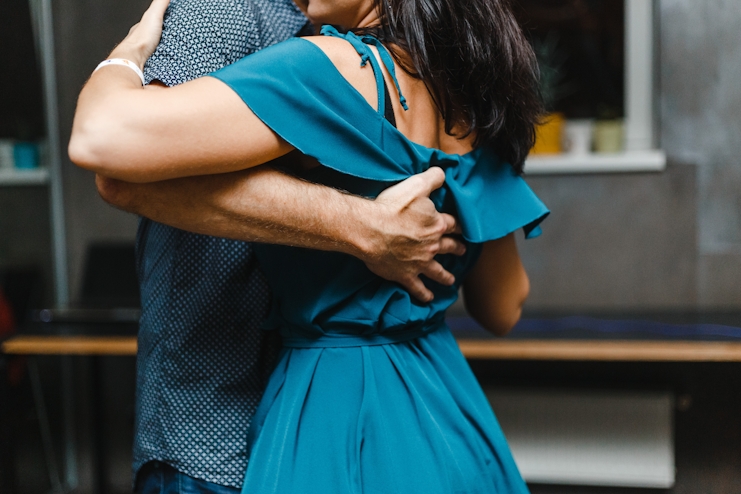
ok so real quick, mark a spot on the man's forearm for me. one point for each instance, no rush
(397, 235)
(256, 205)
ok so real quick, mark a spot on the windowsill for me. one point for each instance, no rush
(37, 176)
(628, 161)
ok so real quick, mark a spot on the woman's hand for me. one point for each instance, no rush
(143, 36)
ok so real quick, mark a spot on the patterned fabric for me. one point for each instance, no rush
(202, 36)
(203, 361)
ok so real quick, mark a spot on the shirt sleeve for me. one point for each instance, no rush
(201, 36)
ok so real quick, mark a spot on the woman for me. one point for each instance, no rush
(371, 393)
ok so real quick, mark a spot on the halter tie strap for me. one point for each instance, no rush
(360, 43)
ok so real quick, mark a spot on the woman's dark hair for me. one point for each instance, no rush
(476, 63)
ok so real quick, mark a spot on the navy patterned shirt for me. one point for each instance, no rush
(203, 361)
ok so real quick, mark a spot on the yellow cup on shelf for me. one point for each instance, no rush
(549, 134)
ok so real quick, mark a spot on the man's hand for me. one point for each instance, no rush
(410, 233)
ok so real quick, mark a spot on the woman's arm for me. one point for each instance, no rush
(497, 286)
(136, 134)
(146, 135)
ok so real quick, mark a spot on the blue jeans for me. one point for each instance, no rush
(156, 477)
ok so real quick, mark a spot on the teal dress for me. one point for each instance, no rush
(371, 393)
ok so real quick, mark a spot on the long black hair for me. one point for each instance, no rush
(476, 63)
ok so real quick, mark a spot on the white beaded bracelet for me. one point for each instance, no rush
(123, 62)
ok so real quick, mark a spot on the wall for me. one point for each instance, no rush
(25, 238)
(701, 110)
(85, 31)
(654, 241)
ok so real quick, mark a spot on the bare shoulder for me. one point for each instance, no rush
(338, 50)
(347, 61)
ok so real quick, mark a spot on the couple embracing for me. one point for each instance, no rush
(316, 358)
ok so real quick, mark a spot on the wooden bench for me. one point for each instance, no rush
(478, 349)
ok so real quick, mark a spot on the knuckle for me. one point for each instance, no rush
(437, 173)
(441, 227)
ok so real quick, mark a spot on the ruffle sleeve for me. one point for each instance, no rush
(294, 88)
(490, 199)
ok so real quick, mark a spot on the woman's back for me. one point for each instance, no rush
(421, 123)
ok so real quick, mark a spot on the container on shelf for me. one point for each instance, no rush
(577, 138)
(548, 135)
(6, 154)
(608, 136)
(26, 155)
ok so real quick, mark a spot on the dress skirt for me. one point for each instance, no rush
(404, 417)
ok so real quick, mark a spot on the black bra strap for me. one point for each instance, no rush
(388, 109)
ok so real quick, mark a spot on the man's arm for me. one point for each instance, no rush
(397, 235)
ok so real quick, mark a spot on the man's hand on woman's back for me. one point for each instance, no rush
(410, 232)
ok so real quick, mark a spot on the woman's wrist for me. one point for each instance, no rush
(123, 62)
(130, 53)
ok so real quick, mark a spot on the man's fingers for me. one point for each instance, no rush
(416, 186)
(451, 225)
(417, 289)
(432, 179)
(435, 271)
(452, 245)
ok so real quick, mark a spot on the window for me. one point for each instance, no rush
(596, 59)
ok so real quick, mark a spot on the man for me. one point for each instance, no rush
(203, 360)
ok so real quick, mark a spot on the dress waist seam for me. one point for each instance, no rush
(334, 340)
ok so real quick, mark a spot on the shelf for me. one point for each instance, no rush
(629, 161)
(602, 350)
(38, 176)
(568, 350)
(69, 345)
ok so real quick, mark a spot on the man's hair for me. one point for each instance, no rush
(476, 63)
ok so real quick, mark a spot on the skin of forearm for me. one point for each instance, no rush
(497, 287)
(256, 205)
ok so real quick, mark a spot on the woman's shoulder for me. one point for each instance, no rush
(338, 50)
(346, 60)
(307, 52)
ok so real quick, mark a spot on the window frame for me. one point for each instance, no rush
(640, 153)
